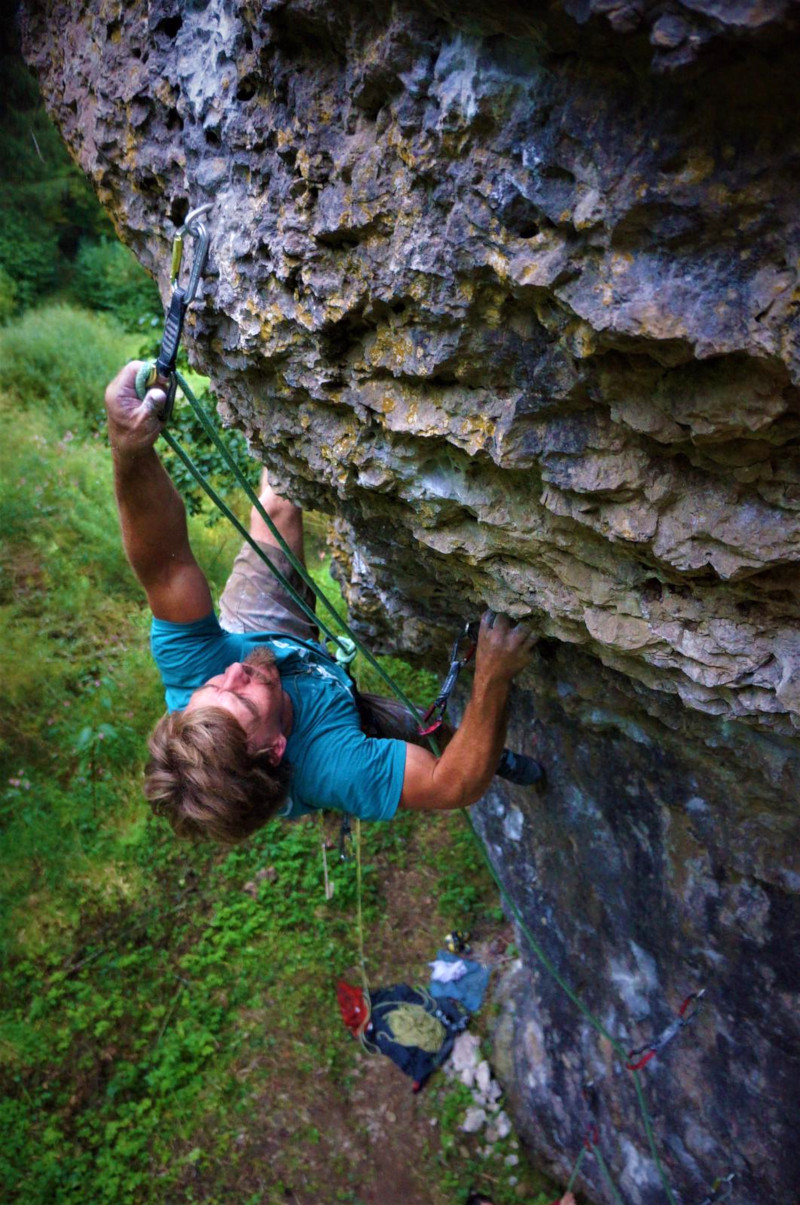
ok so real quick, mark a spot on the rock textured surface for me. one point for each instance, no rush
(513, 293)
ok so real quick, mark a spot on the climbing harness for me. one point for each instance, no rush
(683, 1018)
(433, 718)
(430, 722)
(180, 300)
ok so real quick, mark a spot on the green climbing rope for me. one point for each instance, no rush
(413, 1025)
(574, 1174)
(606, 1173)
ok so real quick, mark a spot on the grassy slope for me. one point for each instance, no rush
(168, 1026)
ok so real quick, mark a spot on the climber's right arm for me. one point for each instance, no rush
(151, 513)
(465, 769)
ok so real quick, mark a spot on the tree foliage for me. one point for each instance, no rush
(54, 235)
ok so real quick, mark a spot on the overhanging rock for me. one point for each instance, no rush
(514, 295)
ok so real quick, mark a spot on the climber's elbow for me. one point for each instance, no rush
(430, 785)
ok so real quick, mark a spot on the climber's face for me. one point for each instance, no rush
(251, 692)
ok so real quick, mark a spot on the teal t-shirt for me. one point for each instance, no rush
(334, 765)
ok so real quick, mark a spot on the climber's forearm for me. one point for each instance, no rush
(465, 769)
(462, 774)
(152, 515)
(156, 540)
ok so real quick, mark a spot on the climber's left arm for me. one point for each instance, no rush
(462, 774)
(151, 513)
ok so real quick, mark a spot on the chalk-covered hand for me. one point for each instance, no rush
(504, 648)
(133, 423)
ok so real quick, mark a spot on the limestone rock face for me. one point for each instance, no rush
(512, 291)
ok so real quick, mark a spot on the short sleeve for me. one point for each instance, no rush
(360, 775)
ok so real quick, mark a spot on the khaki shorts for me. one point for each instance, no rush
(255, 601)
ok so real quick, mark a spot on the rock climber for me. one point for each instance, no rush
(256, 706)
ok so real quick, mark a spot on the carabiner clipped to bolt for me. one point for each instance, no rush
(180, 301)
(721, 1189)
(691, 1008)
(433, 718)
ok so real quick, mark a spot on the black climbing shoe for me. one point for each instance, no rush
(520, 769)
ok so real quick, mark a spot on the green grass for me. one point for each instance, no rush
(156, 995)
(59, 359)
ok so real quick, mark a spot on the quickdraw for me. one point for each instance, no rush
(346, 843)
(673, 1029)
(715, 1196)
(181, 299)
(433, 718)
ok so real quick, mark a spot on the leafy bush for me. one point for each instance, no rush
(47, 203)
(109, 277)
(28, 254)
(61, 359)
(8, 296)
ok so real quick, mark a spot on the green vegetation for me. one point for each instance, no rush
(188, 430)
(108, 277)
(165, 1005)
(58, 359)
(54, 237)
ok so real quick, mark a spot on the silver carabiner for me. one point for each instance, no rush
(198, 233)
(179, 302)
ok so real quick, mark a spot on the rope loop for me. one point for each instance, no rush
(143, 376)
(346, 650)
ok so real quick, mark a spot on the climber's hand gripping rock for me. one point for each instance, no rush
(504, 649)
